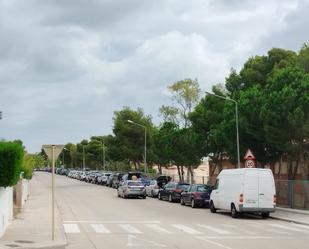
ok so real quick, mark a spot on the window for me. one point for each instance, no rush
(216, 184)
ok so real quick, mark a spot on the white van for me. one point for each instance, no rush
(248, 190)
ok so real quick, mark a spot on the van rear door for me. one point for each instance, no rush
(266, 189)
(251, 189)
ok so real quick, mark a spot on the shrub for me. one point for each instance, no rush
(11, 156)
(28, 166)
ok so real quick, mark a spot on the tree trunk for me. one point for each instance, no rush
(179, 173)
(295, 169)
(182, 174)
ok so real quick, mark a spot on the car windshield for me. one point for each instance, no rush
(203, 188)
(135, 184)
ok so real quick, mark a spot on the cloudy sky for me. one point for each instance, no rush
(66, 65)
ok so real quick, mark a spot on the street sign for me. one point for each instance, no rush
(249, 159)
(48, 149)
(53, 151)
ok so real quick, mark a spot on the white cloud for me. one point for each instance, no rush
(65, 66)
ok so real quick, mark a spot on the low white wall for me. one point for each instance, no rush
(6, 208)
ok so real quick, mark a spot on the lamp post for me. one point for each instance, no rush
(145, 146)
(63, 155)
(236, 114)
(83, 157)
(103, 151)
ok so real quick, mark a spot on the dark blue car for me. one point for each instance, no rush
(196, 195)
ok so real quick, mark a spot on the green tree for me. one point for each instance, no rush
(130, 137)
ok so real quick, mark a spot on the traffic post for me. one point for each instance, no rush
(250, 161)
(52, 152)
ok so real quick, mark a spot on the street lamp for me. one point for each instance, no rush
(145, 147)
(63, 155)
(103, 144)
(83, 157)
(236, 114)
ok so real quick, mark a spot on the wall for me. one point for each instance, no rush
(6, 208)
(21, 193)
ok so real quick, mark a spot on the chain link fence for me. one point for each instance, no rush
(292, 194)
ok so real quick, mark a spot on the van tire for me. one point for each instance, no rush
(265, 215)
(212, 207)
(234, 211)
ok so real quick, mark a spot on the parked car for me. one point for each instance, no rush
(131, 189)
(246, 190)
(116, 180)
(152, 189)
(196, 195)
(103, 178)
(129, 175)
(172, 191)
(162, 180)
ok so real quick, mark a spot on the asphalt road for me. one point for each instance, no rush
(94, 217)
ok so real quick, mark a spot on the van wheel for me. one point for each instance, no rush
(265, 215)
(234, 212)
(212, 207)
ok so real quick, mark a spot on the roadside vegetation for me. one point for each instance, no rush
(272, 92)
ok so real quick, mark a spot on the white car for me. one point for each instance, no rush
(103, 178)
(152, 189)
(246, 190)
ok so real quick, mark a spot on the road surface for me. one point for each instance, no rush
(95, 218)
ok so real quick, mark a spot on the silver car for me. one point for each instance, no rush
(152, 189)
(131, 189)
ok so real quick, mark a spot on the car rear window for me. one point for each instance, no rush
(135, 184)
(203, 188)
(183, 186)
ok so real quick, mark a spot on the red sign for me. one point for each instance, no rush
(249, 159)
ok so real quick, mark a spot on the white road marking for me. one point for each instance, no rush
(158, 229)
(130, 229)
(229, 225)
(142, 242)
(289, 228)
(112, 222)
(214, 243)
(302, 226)
(71, 228)
(186, 229)
(216, 230)
(235, 237)
(100, 228)
(273, 230)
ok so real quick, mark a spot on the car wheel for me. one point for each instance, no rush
(193, 205)
(212, 207)
(265, 215)
(181, 201)
(170, 198)
(234, 212)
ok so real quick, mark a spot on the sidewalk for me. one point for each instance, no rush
(291, 215)
(32, 227)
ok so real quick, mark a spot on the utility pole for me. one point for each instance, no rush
(145, 144)
(103, 154)
(83, 157)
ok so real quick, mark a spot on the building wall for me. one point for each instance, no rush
(6, 208)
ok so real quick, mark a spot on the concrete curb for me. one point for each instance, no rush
(40, 245)
(290, 210)
(290, 220)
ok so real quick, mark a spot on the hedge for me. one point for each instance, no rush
(11, 157)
